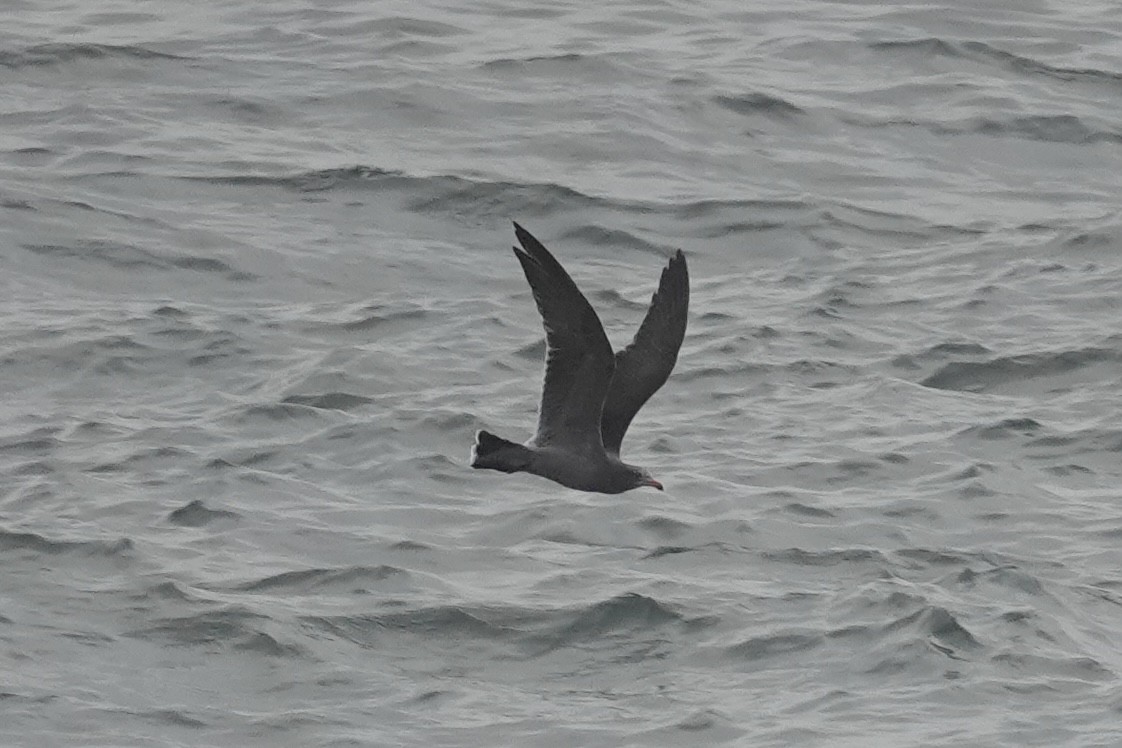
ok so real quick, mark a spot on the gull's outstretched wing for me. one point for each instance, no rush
(578, 359)
(643, 367)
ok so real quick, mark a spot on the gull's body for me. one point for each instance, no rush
(590, 394)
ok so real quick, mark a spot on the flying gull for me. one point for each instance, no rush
(590, 395)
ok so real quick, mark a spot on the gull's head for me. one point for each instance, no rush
(643, 478)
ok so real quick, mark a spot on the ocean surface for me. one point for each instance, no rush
(257, 294)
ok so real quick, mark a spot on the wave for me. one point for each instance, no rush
(170, 718)
(232, 626)
(596, 235)
(31, 444)
(532, 631)
(197, 514)
(1004, 429)
(1048, 128)
(265, 414)
(558, 64)
(761, 647)
(376, 316)
(41, 55)
(330, 401)
(938, 625)
(1027, 65)
(989, 53)
(479, 196)
(758, 103)
(441, 622)
(30, 541)
(627, 611)
(305, 581)
(986, 376)
(833, 557)
(123, 256)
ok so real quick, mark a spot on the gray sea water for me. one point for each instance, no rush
(257, 295)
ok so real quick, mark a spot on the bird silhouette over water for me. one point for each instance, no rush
(590, 394)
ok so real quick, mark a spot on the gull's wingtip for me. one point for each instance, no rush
(523, 235)
(676, 266)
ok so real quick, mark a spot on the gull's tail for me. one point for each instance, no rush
(496, 453)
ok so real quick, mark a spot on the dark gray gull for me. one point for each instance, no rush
(590, 395)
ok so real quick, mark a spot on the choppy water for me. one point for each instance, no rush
(257, 295)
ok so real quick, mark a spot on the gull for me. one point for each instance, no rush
(590, 394)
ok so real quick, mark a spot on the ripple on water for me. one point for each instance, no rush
(998, 373)
(197, 514)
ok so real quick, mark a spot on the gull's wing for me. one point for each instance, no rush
(643, 366)
(578, 359)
